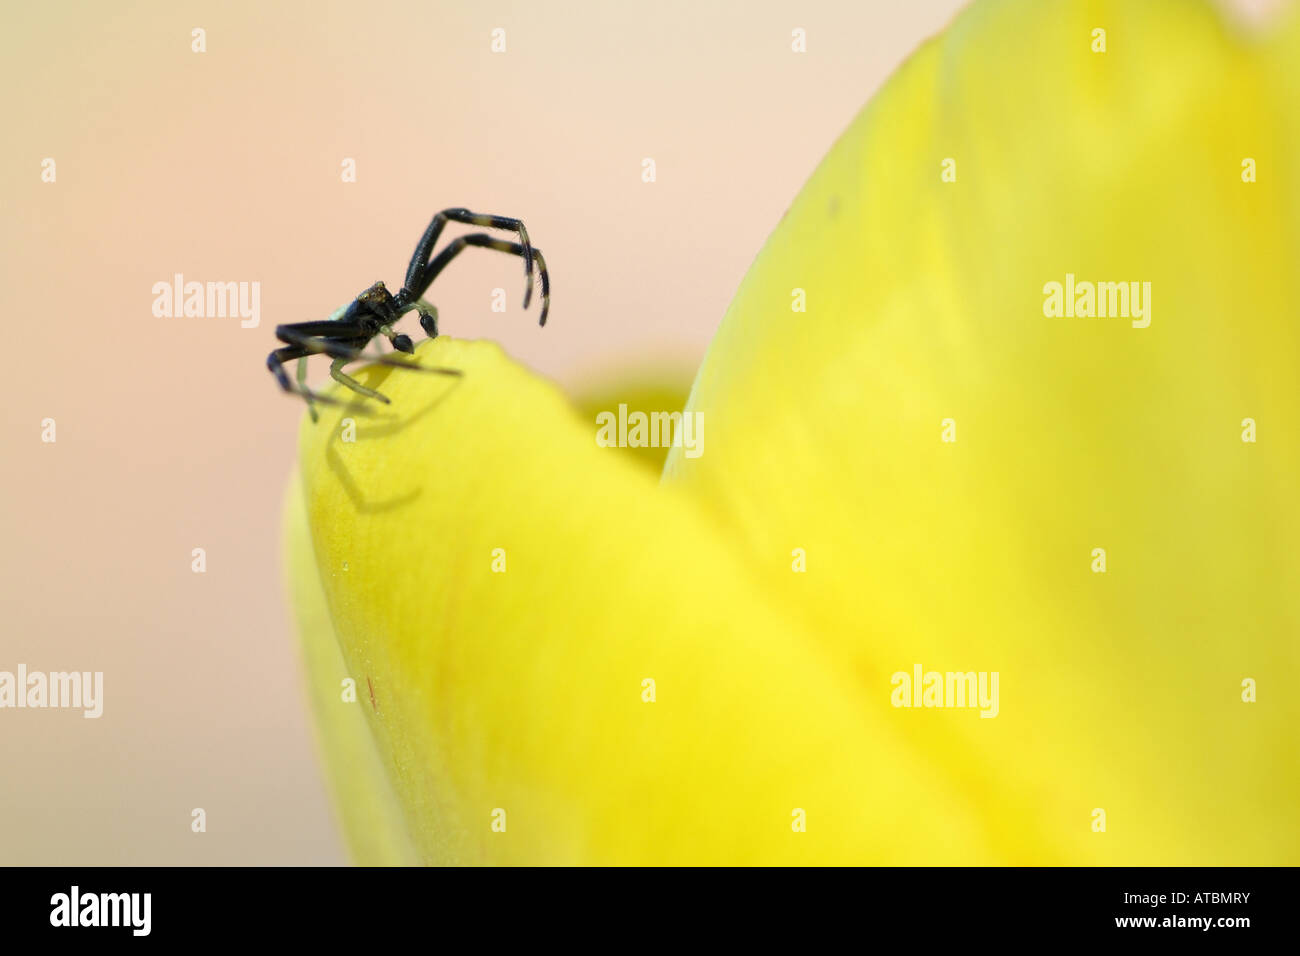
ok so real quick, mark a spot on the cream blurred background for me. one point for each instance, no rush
(225, 166)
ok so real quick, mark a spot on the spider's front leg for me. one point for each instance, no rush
(399, 341)
(428, 318)
(424, 248)
(341, 339)
(405, 301)
(344, 342)
(424, 277)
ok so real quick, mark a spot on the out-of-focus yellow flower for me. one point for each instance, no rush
(947, 459)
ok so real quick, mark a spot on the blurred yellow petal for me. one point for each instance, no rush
(520, 696)
(370, 815)
(654, 388)
(517, 698)
(1122, 690)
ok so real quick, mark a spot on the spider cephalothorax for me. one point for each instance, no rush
(374, 312)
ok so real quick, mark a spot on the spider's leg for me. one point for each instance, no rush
(337, 373)
(428, 318)
(333, 339)
(424, 248)
(275, 362)
(346, 350)
(546, 284)
(296, 332)
(302, 387)
(456, 246)
(342, 341)
(399, 341)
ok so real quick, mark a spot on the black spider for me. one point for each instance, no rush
(373, 312)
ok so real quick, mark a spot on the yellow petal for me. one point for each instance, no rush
(646, 390)
(370, 815)
(1121, 690)
(524, 691)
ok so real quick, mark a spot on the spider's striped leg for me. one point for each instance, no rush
(275, 362)
(344, 350)
(341, 349)
(424, 248)
(333, 339)
(482, 239)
